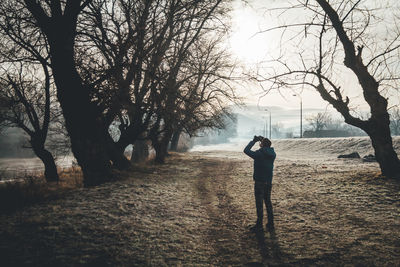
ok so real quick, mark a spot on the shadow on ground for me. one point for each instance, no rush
(197, 210)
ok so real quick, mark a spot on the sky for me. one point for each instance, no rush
(250, 47)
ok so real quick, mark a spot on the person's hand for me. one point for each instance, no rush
(255, 138)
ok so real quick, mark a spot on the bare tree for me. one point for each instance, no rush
(340, 35)
(130, 40)
(319, 121)
(198, 87)
(139, 51)
(28, 102)
(121, 43)
(113, 61)
(57, 21)
(204, 95)
(26, 88)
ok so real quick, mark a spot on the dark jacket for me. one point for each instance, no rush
(263, 162)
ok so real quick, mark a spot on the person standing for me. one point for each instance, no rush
(262, 175)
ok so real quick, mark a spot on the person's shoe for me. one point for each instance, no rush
(256, 227)
(270, 226)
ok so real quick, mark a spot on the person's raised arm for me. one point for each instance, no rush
(247, 149)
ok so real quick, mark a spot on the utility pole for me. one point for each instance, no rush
(270, 131)
(270, 124)
(265, 127)
(301, 115)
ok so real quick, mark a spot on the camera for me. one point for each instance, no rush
(258, 138)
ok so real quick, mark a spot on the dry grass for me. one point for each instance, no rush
(31, 189)
(194, 211)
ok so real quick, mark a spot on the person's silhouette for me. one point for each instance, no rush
(263, 171)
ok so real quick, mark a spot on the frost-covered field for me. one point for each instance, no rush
(14, 168)
(195, 211)
(306, 148)
(320, 149)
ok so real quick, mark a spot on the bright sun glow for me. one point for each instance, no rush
(253, 49)
(245, 43)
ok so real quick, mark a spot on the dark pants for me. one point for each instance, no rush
(262, 193)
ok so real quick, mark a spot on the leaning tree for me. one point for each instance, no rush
(29, 103)
(26, 87)
(57, 21)
(339, 39)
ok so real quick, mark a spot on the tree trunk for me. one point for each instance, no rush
(93, 160)
(175, 140)
(161, 152)
(140, 151)
(119, 160)
(82, 118)
(384, 153)
(161, 147)
(116, 153)
(50, 168)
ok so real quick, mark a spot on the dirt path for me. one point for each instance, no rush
(195, 211)
(228, 232)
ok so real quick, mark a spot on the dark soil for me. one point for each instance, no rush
(195, 211)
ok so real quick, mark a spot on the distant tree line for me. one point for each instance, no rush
(323, 125)
(152, 69)
(219, 136)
